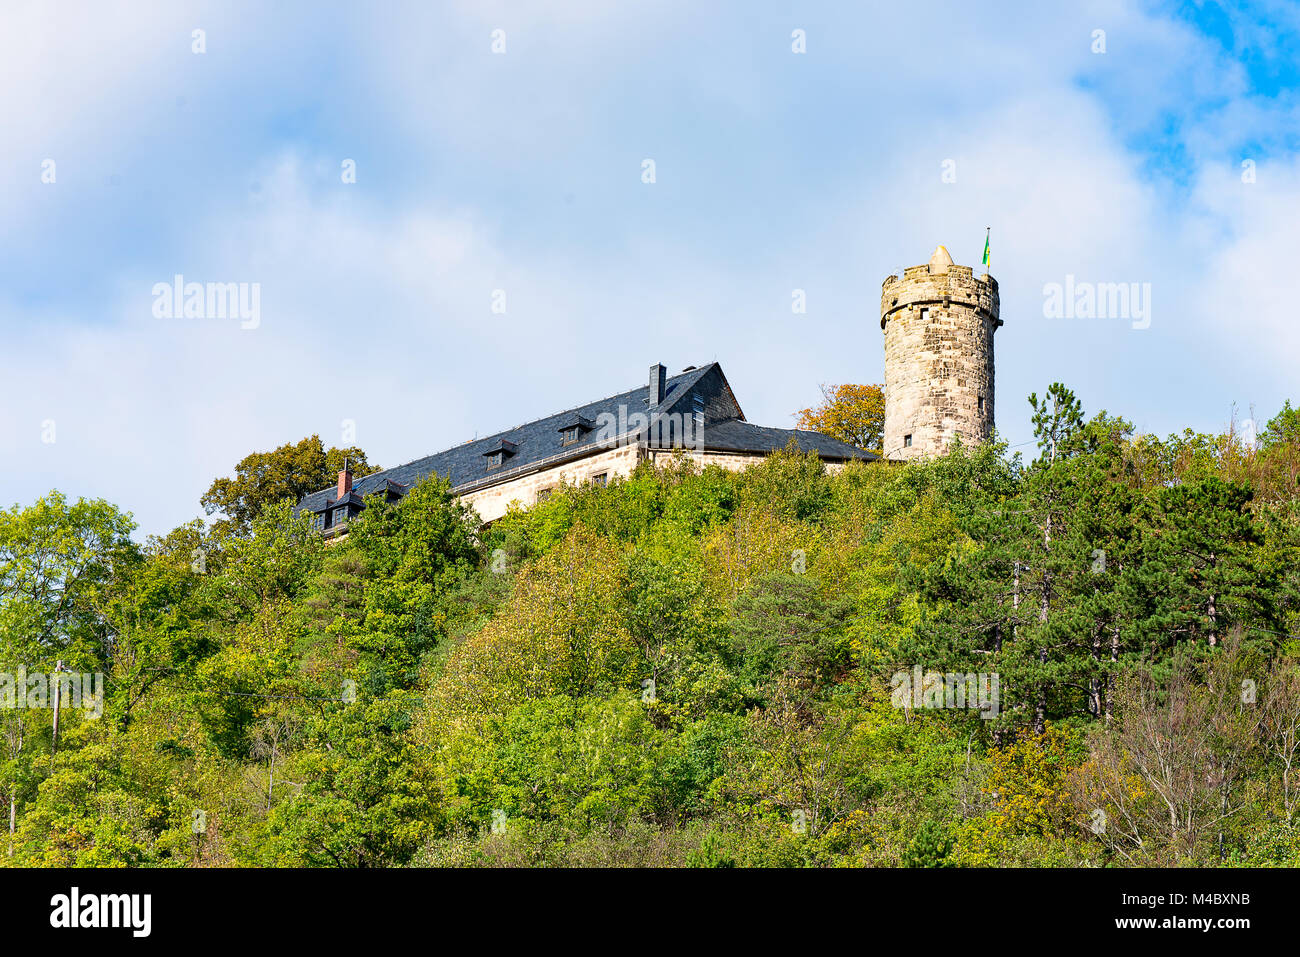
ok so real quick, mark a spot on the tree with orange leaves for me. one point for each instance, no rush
(851, 413)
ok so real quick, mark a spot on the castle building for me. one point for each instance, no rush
(694, 413)
(938, 321)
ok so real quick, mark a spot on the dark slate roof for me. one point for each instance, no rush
(572, 420)
(535, 442)
(738, 436)
(325, 504)
(538, 443)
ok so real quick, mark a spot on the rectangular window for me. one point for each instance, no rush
(601, 480)
(544, 494)
(925, 313)
(494, 460)
(907, 441)
(981, 405)
(340, 517)
(697, 403)
(320, 522)
(570, 436)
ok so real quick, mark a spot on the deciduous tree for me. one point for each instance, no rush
(851, 413)
(283, 474)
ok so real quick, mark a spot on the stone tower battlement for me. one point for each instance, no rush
(938, 321)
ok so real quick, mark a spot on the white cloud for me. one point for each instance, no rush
(519, 173)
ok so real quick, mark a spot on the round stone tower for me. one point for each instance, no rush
(938, 321)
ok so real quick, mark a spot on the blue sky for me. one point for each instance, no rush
(521, 171)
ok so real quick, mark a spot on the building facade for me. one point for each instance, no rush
(694, 413)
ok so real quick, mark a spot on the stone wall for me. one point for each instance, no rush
(732, 461)
(938, 363)
(491, 503)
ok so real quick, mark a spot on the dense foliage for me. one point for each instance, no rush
(696, 668)
(851, 413)
(285, 474)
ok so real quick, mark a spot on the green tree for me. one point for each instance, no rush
(1010, 603)
(57, 561)
(930, 847)
(361, 803)
(283, 474)
(1201, 571)
(782, 626)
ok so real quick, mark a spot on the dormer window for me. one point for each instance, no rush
(495, 455)
(573, 427)
(340, 517)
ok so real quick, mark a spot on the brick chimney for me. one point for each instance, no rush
(345, 480)
(658, 383)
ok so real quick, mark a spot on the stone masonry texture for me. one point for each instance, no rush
(938, 321)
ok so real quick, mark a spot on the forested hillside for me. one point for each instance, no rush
(686, 669)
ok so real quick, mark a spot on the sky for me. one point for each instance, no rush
(444, 210)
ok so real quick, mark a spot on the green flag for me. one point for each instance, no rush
(986, 252)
